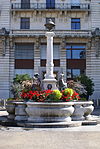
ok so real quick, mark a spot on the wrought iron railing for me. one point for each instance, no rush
(62, 6)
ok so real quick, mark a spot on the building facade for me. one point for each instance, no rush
(23, 41)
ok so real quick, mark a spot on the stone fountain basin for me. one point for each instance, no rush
(58, 114)
(49, 112)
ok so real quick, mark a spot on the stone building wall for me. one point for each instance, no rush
(4, 48)
(93, 50)
(10, 19)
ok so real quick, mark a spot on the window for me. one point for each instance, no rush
(50, 4)
(24, 56)
(76, 60)
(24, 51)
(75, 23)
(72, 73)
(75, 52)
(56, 55)
(56, 51)
(75, 4)
(25, 23)
(25, 4)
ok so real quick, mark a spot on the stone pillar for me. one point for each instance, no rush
(3, 45)
(97, 46)
(49, 80)
(11, 62)
(37, 55)
(88, 58)
(49, 62)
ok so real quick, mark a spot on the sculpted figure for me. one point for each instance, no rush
(36, 83)
(61, 83)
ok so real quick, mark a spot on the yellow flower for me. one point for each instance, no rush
(68, 91)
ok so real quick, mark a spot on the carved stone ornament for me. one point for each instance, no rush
(96, 35)
(3, 34)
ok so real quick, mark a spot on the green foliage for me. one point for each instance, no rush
(20, 78)
(88, 83)
(17, 87)
(83, 99)
(11, 99)
(77, 86)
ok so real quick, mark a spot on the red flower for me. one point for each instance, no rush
(75, 96)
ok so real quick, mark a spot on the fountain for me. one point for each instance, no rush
(53, 114)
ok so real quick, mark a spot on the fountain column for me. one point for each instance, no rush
(49, 61)
(49, 82)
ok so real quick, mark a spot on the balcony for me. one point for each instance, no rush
(59, 33)
(47, 6)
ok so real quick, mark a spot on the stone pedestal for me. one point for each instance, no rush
(10, 107)
(82, 110)
(49, 82)
(78, 114)
(88, 110)
(20, 113)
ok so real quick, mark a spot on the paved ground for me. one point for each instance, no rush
(84, 137)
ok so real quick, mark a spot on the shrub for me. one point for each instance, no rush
(17, 85)
(20, 78)
(88, 83)
(77, 86)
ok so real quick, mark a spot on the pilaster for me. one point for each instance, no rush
(37, 55)
(63, 57)
(11, 60)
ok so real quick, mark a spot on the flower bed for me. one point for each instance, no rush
(50, 95)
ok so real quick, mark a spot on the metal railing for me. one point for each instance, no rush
(59, 6)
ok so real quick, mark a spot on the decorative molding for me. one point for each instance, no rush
(4, 34)
(97, 46)
(63, 42)
(96, 36)
(37, 43)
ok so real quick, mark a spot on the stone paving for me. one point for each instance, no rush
(83, 137)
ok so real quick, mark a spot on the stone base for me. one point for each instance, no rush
(82, 118)
(50, 84)
(21, 118)
(50, 125)
(11, 116)
(49, 119)
(84, 123)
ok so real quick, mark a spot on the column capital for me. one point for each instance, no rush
(50, 34)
